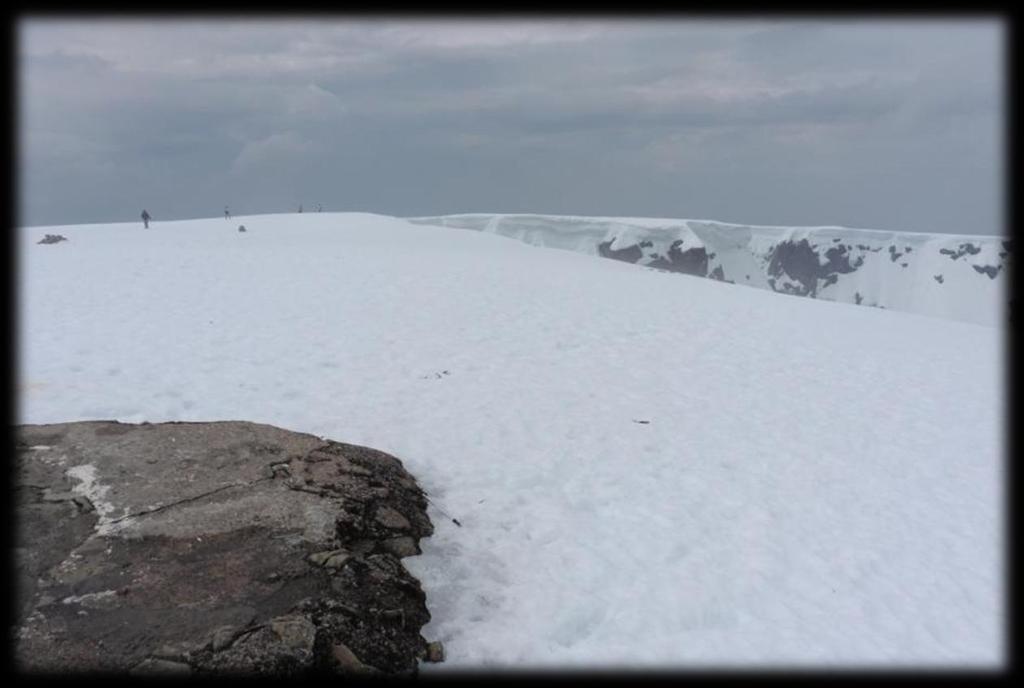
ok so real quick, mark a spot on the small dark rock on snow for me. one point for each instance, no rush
(435, 652)
(52, 239)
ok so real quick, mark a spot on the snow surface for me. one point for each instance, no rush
(896, 270)
(818, 484)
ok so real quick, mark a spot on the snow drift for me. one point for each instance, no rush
(960, 277)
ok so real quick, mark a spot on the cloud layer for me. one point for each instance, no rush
(890, 125)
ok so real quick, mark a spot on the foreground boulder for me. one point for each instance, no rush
(230, 547)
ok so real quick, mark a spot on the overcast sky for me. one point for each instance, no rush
(880, 124)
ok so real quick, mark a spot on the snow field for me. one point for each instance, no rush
(818, 483)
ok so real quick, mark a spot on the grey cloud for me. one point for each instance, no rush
(58, 61)
(773, 122)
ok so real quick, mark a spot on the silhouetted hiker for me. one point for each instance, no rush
(319, 208)
(227, 213)
(300, 207)
(145, 218)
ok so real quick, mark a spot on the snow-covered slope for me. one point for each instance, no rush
(648, 469)
(953, 276)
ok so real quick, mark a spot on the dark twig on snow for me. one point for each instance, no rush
(443, 512)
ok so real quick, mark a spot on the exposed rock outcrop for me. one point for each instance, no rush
(192, 548)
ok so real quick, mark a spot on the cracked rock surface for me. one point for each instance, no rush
(228, 547)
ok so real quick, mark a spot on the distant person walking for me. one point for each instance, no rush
(319, 208)
(300, 207)
(145, 218)
(227, 213)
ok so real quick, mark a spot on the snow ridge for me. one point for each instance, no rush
(960, 277)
